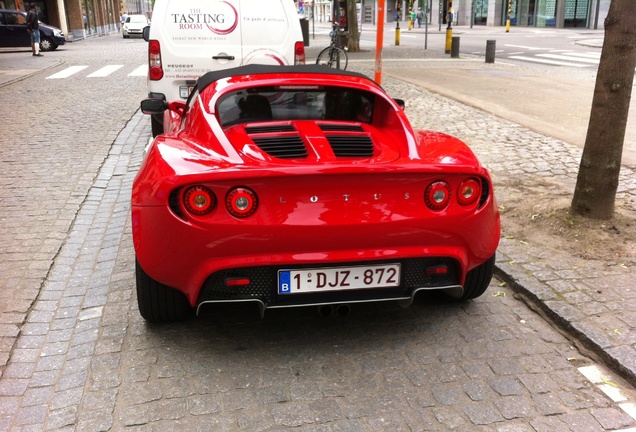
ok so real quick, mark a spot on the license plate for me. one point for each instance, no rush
(338, 278)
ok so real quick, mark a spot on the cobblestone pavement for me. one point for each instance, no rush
(77, 355)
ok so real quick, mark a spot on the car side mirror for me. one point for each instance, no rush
(153, 106)
(146, 33)
(178, 107)
(400, 103)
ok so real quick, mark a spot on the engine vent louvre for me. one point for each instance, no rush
(282, 147)
(269, 129)
(351, 145)
(341, 128)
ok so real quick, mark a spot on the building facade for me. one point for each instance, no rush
(82, 18)
(523, 13)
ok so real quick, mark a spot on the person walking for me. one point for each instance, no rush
(420, 15)
(412, 19)
(33, 27)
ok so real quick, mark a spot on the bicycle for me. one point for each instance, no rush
(334, 55)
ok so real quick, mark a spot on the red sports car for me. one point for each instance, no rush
(302, 185)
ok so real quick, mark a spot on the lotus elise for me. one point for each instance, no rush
(291, 186)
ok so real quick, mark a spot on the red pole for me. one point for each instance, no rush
(379, 40)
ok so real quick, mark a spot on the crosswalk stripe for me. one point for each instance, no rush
(568, 58)
(105, 71)
(523, 46)
(140, 71)
(65, 73)
(546, 61)
(583, 54)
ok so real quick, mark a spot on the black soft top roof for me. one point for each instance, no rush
(255, 69)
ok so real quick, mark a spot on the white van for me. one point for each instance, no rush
(188, 38)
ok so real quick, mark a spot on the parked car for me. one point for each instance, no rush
(293, 186)
(14, 34)
(134, 25)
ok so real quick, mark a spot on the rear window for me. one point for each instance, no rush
(296, 103)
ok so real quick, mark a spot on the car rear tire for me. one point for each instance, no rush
(47, 45)
(478, 279)
(156, 125)
(159, 303)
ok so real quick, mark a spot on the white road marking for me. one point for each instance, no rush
(546, 61)
(630, 409)
(140, 71)
(568, 58)
(583, 54)
(65, 73)
(604, 382)
(614, 393)
(105, 71)
(592, 373)
(524, 47)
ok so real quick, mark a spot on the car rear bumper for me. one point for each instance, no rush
(264, 283)
(197, 262)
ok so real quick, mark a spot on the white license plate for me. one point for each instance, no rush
(338, 278)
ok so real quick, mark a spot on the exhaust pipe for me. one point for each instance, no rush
(344, 310)
(325, 310)
(328, 310)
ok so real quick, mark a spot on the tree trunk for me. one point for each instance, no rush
(352, 23)
(597, 181)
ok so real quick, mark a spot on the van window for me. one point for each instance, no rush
(310, 103)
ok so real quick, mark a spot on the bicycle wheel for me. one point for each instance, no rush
(334, 57)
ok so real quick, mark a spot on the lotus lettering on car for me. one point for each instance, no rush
(223, 20)
(295, 186)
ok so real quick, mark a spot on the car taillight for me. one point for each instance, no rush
(299, 53)
(199, 200)
(241, 202)
(469, 191)
(155, 70)
(437, 195)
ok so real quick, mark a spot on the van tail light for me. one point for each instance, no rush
(155, 70)
(299, 53)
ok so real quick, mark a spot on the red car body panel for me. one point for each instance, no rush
(317, 211)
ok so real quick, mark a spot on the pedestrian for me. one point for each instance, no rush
(419, 17)
(412, 19)
(33, 27)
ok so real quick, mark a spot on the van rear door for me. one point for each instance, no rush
(269, 30)
(199, 36)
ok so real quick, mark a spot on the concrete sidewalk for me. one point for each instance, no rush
(593, 301)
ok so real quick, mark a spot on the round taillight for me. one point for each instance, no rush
(469, 191)
(199, 200)
(437, 195)
(241, 202)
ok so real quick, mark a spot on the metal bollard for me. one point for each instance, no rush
(455, 47)
(490, 51)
